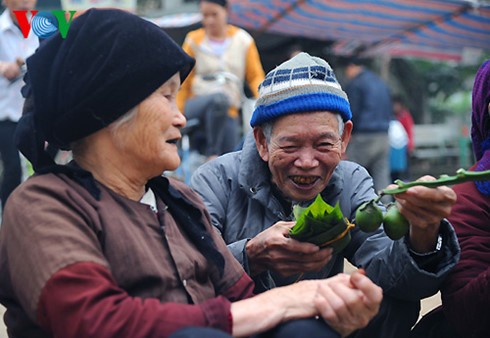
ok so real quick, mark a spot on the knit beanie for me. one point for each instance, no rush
(302, 84)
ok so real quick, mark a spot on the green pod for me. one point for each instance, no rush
(395, 224)
(369, 216)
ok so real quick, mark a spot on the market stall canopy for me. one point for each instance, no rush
(435, 29)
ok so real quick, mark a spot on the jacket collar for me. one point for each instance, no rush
(254, 173)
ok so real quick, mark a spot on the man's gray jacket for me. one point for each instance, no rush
(237, 191)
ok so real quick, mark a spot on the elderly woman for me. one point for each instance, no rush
(107, 247)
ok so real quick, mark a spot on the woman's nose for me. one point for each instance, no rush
(180, 120)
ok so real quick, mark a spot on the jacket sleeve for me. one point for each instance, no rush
(466, 291)
(389, 263)
(210, 182)
(82, 300)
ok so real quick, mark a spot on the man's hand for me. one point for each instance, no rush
(272, 249)
(424, 208)
(9, 70)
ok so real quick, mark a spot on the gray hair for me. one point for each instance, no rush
(267, 127)
(78, 146)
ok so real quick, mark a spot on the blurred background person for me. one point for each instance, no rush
(372, 111)
(398, 150)
(402, 114)
(14, 49)
(226, 57)
(294, 50)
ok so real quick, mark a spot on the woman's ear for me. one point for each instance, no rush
(261, 143)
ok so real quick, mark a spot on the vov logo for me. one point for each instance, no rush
(45, 24)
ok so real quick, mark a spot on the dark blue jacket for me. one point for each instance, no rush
(370, 102)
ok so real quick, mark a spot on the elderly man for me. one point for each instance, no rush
(302, 125)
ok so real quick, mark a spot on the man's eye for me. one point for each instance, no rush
(327, 146)
(289, 149)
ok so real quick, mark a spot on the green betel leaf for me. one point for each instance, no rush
(319, 207)
(317, 220)
(337, 212)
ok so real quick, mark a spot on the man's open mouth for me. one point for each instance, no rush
(304, 180)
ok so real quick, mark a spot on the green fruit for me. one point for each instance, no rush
(369, 216)
(395, 224)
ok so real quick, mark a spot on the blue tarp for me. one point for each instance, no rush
(439, 29)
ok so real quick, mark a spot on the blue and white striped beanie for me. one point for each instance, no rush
(302, 84)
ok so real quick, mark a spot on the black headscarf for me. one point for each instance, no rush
(109, 62)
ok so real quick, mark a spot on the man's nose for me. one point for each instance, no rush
(306, 159)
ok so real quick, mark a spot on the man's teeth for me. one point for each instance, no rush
(303, 179)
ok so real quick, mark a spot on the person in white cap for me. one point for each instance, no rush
(301, 128)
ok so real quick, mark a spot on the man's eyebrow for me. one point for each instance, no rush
(289, 138)
(327, 135)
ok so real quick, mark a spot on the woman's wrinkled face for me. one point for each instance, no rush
(214, 17)
(303, 151)
(149, 139)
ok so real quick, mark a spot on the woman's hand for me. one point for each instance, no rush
(346, 303)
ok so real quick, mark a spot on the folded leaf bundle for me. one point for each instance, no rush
(321, 224)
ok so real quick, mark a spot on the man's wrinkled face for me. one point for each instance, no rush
(303, 152)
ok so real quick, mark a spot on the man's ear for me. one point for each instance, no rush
(346, 135)
(261, 143)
